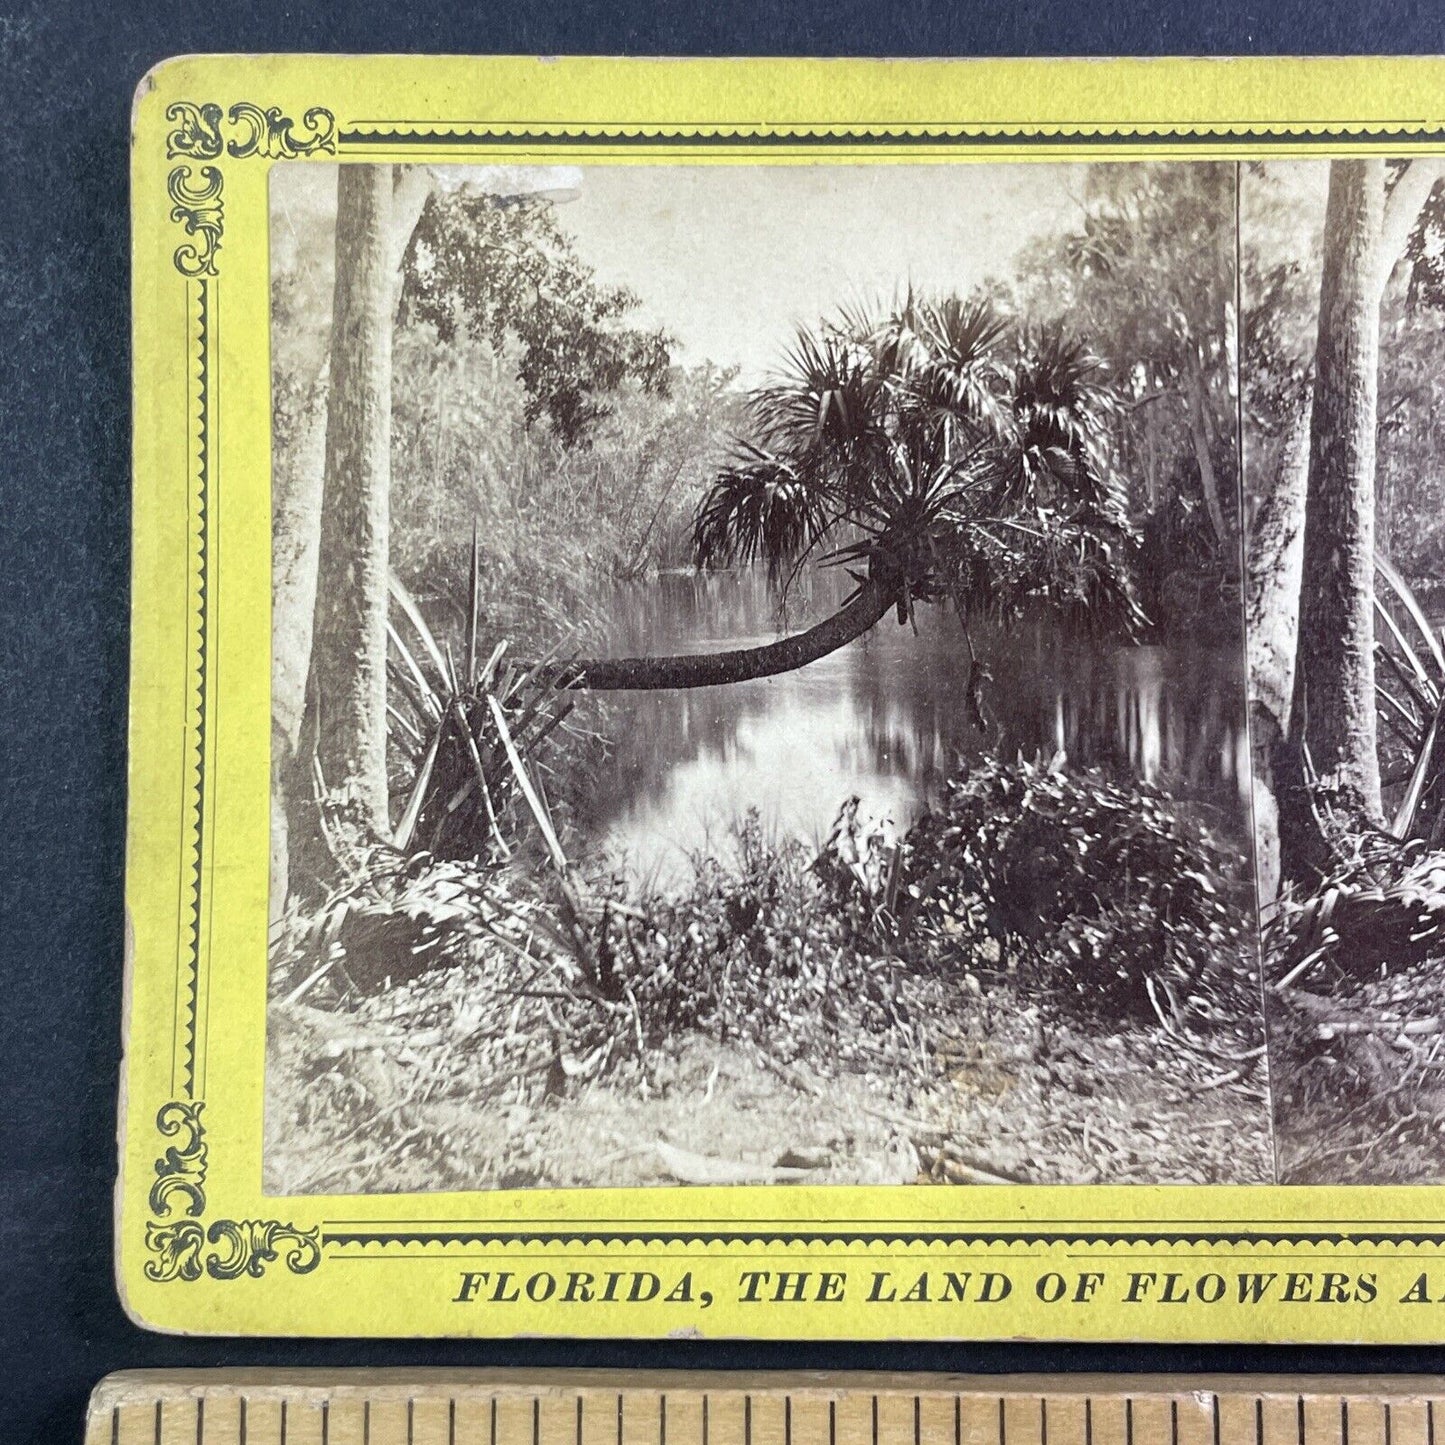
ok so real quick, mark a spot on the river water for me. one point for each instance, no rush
(884, 718)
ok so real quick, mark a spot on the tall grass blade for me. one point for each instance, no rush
(1419, 676)
(474, 595)
(1404, 818)
(403, 722)
(460, 714)
(484, 680)
(407, 826)
(539, 811)
(1403, 823)
(1417, 689)
(1398, 718)
(553, 722)
(1411, 604)
(426, 692)
(403, 599)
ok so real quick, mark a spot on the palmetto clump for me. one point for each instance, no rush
(1383, 915)
(939, 457)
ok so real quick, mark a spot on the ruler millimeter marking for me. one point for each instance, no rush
(599, 1407)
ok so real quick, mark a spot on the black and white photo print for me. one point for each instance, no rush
(760, 685)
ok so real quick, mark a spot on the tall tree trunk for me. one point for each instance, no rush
(1332, 724)
(712, 669)
(1196, 401)
(296, 482)
(348, 662)
(1271, 622)
(295, 547)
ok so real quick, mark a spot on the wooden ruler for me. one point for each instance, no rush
(432, 1407)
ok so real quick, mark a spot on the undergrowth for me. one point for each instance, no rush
(1098, 901)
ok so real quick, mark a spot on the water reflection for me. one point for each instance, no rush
(885, 718)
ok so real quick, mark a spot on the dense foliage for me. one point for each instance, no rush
(1094, 890)
(523, 402)
(940, 455)
(751, 950)
(1097, 900)
(557, 523)
(1162, 232)
(505, 272)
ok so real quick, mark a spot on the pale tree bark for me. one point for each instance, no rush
(348, 660)
(296, 541)
(1272, 591)
(1332, 738)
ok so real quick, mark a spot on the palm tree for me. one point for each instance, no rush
(915, 454)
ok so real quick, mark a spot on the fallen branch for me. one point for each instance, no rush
(690, 1168)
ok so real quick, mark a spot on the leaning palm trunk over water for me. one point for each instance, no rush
(936, 459)
(858, 615)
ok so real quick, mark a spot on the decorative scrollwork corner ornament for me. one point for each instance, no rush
(247, 1246)
(197, 132)
(229, 1249)
(181, 1170)
(196, 204)
(255, 131)
(267, 132)
(176, 1251)
(184, 1249)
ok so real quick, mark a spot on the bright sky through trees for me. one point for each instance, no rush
(731, 258)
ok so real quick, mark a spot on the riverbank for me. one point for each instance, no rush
(868, 1011)
(995, 1094)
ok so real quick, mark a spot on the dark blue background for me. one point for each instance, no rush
(66, 76)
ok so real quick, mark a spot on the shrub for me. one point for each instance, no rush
(752, 949)
(1090, 887)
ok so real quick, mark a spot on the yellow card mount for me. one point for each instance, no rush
(591, 946)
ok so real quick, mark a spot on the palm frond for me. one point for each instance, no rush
(946, 473)
(1061, 407)
(827, 396)
(761, 509)
(1410, 604)
(947, 355)
(412, 612)
(1421, 783)
(463, 739)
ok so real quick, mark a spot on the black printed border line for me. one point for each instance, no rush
(365, 1238)
(408, 133)
(403, 133)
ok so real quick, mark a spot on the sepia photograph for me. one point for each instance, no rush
(761, 688)
(1343, 383)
